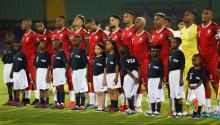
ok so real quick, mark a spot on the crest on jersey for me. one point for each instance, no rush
(45, 38)
(61, 35)
(104, 38)
(130, 33)
(199, 32)
(70, 37)
(161, 36)
(140, 40)
(209, 31)
(27, 38)
(115, 37)
(96, 37)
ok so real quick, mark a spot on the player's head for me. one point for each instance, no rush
(207, 15)
(90, 25)
(77, 40)
(159, 19)
(124, 50)
(168, 21)
(17, 46)
(42, 45)
(175, 43)
(181, 24)
(196, 59)
(155, 51)
(39, 26)
(60, 22)
(78, 21)
(128, 17)
(111, 46)
(26, 24)
(114, 21)
(10, 39)
(57, 44)
(139, 22)
(99, 49)
(189, 16)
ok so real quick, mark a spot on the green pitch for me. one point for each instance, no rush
(28, 115)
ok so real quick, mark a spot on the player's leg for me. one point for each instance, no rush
(82, 101)
(91, 93)
(70, 87)
(10, 93)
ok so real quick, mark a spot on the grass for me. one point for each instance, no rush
(30, 116)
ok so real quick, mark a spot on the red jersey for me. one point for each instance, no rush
(46, 36)
(163, 38)
(63, 35)
(208, 44)
(98, 36)
(117, 37)
(84, 34)
(126, 36)
(140, 45)
(29, 44)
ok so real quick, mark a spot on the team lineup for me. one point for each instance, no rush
(117, 64)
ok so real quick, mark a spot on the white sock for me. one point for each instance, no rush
(122, 96)
(91, 99)
(72, 96)
(37, 94)
(27, 94)
(54, 94)
(208, 102)
(139, 100)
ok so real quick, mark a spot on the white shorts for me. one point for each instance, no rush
(129, 86)
(110, 81)
(7, 71)
(41, 79)
(155, 94)
(20, 80)
(176, 91)
(200, 94)
(79, 81)
(59, 76)
(98, 83)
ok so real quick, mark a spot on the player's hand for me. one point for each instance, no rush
(116, 80)
(160, 85)
(104, 83)
(181, 82)
(48, 79)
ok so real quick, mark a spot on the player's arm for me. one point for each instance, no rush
(116, 70)
(182, 66)
(11, 73)
(48, 69)
(85, 62)
(161, 75)
(132, 75)
(104, 79)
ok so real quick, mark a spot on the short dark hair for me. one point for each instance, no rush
(89, 20)
(116, 17)
(196, 56)
(124, 49)
(192, 12)
(156, 47)
(81, 17)
(62, 17)
(129, 12)
(178, 39)
(160, 15)
(39, 21)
